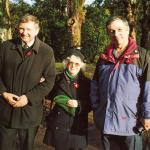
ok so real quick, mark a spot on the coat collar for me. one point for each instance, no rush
(36, 45)
(17, 44)
(128, 56)
(130, 51)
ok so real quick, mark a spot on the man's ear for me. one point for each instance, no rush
(37, 31)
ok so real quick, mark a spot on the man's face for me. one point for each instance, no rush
(118, 32)
(28, 31)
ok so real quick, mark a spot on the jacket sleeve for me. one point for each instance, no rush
(95, 90)
(42, 89)
(146, 88)
(2, 86)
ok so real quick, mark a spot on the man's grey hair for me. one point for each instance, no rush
(114, 18)
(26, 18)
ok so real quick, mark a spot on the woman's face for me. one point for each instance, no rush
(74, 65)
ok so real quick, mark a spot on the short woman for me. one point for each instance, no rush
(67, 127)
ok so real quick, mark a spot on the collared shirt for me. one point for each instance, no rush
(28, 44)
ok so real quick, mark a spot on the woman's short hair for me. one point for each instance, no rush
(69, 58)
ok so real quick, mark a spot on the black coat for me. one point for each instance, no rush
(65, 131)
(20, 74)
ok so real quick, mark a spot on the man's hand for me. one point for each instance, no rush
(146, 124)
(72, 103)
(10, 98)
(22, 101)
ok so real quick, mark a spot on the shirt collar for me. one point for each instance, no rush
(28, 44)
(17, 44)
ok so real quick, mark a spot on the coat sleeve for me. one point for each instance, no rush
(42, 89)
(146, 88)
(94, 92)
(2, 86)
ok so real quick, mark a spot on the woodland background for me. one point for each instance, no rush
(71, 23)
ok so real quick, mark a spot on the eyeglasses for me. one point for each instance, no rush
(74, 64)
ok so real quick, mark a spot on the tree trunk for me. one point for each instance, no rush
(145, 24)
(7, 19)
(76, 13)
(132, 7)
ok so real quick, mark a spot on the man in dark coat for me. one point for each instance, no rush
(23, 62)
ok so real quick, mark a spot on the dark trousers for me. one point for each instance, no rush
(23, 137)
(114, 142)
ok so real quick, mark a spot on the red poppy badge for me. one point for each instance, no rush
(76, 85)
(29, 53)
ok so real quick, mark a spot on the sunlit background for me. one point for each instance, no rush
(31, 1)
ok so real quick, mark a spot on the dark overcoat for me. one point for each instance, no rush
(65, 131)
(20, 74)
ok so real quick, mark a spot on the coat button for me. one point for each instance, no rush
(68, 129)
(57, 128)
(58, 113)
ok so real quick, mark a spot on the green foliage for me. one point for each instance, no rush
(94, 36)
(53, 18)
(53, 24)
(59, 67)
